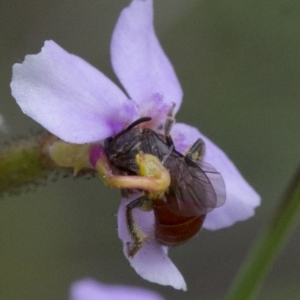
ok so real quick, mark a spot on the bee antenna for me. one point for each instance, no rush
(135, 123)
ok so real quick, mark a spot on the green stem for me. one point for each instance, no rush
(251, 275)
(22, 164)
(28, 162)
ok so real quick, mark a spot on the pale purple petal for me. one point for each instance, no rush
(90, 289)
(69, 97)
(241, 198)
(141, 64)
(151, 262)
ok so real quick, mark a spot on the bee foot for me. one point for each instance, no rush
(137, 245)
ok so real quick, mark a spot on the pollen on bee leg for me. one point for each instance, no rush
(196, 151)
(151, 167)
(153, 177)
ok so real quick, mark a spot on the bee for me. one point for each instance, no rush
(195, 189)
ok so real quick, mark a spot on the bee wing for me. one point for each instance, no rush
(196, 187)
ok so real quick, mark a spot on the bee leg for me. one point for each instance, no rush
(136, 233)
(196, 151)
(168, 126)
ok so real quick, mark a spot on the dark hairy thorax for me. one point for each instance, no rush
(122, 150)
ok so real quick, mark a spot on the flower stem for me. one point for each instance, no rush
(25, 164)
(264, 252)
(20, 165)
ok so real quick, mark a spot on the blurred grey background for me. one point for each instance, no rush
(239, 66)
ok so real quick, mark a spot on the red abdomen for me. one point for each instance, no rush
(173, 229)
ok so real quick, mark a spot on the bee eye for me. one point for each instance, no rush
(107, 141)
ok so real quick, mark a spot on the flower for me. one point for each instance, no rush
(89, 289)
(79, 104)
